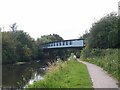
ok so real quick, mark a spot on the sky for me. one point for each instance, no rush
(67, 18)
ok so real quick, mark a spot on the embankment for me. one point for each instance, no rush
(67, 74)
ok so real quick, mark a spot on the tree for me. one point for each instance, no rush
(17, 46)
(8, 48)
(104, 33)
(13, 27)
(49, 38)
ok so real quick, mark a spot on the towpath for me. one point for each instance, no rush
(99, 77)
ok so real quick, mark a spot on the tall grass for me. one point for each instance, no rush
(108, 59)
(67, 74)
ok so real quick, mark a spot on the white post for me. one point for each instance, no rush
(119, 8)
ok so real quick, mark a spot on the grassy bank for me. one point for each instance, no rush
(108, 59)
(67, 74)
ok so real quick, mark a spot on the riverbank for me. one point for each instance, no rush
(21, 74)
(67, 74)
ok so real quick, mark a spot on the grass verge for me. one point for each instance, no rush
(108, 59)
(67, 74)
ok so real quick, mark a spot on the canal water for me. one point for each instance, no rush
(18, 75)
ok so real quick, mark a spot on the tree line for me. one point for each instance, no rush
(103, 43)
(18, 46)
(104, 33)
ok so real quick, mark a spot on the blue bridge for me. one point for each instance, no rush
(74, 43)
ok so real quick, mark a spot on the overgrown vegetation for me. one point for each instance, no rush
(67, 74)
(105, 58)
(18, 46)
(102, 43)
(104, 33)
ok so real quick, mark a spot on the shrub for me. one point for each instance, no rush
(108, 59)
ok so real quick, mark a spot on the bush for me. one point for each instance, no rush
(105, 58)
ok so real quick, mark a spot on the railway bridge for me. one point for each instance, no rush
(73, 43)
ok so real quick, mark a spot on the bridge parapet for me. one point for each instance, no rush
(74, 43)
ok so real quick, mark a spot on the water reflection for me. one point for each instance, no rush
(35, 78)
(19, 75)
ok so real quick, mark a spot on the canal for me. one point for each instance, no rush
(18, 75)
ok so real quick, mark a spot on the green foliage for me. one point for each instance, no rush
(89, 53)
(51, 38)
(105, 58)
(18, 46)
(8, 48)
(104, 33)
(69, 74)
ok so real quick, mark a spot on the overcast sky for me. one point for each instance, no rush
(68, 18)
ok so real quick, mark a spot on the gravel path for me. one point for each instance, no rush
(99, 77)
